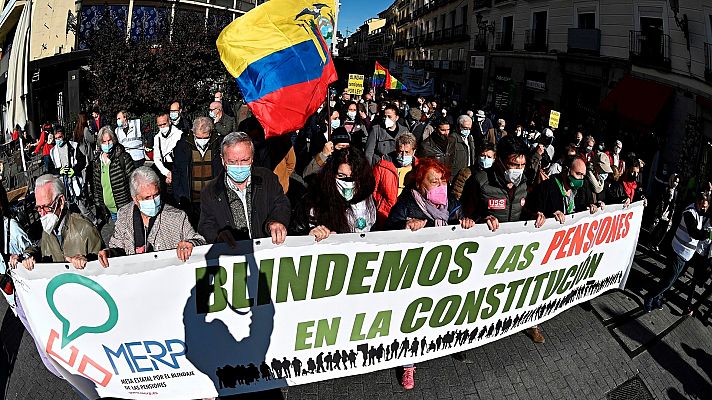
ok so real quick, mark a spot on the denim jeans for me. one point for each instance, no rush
(674, 272)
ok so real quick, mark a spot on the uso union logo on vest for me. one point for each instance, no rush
(131, 357)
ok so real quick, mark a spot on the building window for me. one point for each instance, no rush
(461, 55)
(587, 20)
(449, 54)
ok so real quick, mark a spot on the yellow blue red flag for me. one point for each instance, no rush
(280, 60)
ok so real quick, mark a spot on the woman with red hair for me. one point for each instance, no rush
(426, 204)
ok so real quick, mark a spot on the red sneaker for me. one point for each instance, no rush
(407, 381)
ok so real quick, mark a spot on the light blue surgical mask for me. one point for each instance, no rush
(212, 114)
(106, 148)
(603, 176)
(150, 208)
(173, 115)
(486, 162)
(335, 123)
(239, 173)
(119, 123)
(465, 132)
(60, 142)
(404, 160)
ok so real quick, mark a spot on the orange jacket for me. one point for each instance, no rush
(386, 192)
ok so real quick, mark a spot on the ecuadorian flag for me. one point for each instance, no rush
(280, 60)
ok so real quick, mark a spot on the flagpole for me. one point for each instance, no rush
(328, 110)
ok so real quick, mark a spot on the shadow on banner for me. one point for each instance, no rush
(233, 365)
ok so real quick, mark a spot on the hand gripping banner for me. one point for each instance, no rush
(261, 316)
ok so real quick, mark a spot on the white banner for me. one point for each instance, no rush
(224, 323)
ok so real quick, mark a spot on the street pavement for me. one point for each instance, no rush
(590, 351)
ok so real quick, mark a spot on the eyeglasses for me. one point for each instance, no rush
(47, 208)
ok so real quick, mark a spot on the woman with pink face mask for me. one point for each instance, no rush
(428, 202)
(425, 204)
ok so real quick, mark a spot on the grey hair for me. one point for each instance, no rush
(463, 118)
(405, 139)
(142, 176)
(49, 179)
(106, 130)
(235, 138)
(202, 125)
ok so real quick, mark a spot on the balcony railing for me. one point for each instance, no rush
(447, 34)
(650, 49)
(438, 36)
(481, 42)
(536, 40)
(708, 62)
(482, 4)
(586, 41)
(504, 42)
(428, 38)
(461, 33)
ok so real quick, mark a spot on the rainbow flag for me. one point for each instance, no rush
(383, 78)
(280, 61)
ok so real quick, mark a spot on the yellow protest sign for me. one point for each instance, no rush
(355, 84)
(554, 119)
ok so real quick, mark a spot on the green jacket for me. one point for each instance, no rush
(80, 238)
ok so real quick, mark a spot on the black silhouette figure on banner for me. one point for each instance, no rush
(379, 352)
(352, 359)
(388, 352)
(394, 348)
(414, 347)
(277, 367)
(405, 346)
(328, 360)
(320, 362)
(371, 355)
(363, 348)
(285, 367)
(423, 345)
(432, 346)
(311, 365)
(438, 342)
(265, 371)
(297, 365)
(344, 358)
(337, 360)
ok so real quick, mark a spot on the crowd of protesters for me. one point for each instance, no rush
(358, 165)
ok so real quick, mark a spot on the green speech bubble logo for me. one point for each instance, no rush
(63, 279)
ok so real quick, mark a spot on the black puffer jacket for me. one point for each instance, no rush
(120, 169)
(407, 208)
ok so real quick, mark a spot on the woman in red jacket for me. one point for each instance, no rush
(392, 174)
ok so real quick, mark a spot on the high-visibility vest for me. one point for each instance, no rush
(683, 244)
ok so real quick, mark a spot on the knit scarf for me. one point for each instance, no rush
(439, 214)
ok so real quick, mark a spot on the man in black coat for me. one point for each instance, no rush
(244, 201)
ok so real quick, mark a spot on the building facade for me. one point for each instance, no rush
(56, 43)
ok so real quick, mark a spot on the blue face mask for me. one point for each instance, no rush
(119, 123)
(60, 142)
(173, 115)
(486, 162)
(335, 123)
(465, 132)
(239, 173)
(212, 114)
(150, 208)
(107, 147)
(404, 160)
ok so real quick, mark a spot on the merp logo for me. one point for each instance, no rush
(97, 373)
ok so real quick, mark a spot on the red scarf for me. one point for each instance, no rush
(629, 188)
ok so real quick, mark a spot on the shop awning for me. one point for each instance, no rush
(637, 100)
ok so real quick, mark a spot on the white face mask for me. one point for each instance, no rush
(202, 142)
(514, 175)
(389, 123)
(351, 114)
(49, 221)
(163, 130)
(346, 189)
